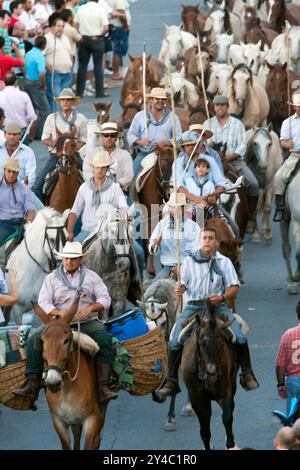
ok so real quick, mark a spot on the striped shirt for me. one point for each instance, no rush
(201, 282)
(26, 159)
(290, 129)
(189, 235)
(288, 356)
(55, 294)
(233, 133)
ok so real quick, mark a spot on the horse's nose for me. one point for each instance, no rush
(211, 368)
(240, 102)
(53, 380)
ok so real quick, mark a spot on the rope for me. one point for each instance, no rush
(66, 372)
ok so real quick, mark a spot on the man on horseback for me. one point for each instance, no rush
(230, 130)
(67, 119)
(163, 239)
(56, 296)
(290, 140)
(15, 201)
(207, 275)
(159, 127)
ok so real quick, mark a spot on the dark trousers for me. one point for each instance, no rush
(40, 103)
(88, 46)
(8, 228)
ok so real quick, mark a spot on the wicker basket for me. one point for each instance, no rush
(148, 361)
(13, 377)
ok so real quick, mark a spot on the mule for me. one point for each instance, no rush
(71, 384)
(209, 368)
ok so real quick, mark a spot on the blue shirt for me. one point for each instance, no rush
(26, 159)
(35, 64)
(15, 201)
(215, 175)
(189, 235)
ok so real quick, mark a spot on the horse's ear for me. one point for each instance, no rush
(270, 127)
(68, 317)
(40, 312)
(108, 105)
(258, 44)
(284, 66)
(165, 26)
(270, 67)
(131, 58)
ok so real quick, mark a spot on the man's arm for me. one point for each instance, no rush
(192, 197)
(71, 224)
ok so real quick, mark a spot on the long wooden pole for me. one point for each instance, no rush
(144, 91)
(202, 76)
(288, 66)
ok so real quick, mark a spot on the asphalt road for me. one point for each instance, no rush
(137, 423)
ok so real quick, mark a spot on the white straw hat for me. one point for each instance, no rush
(295, 100)
(110, 128)
(71, 250)
(101, 159)
(177, 199)
(158, 93)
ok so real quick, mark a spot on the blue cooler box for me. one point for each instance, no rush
(128, 325)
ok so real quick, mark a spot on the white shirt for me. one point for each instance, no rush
(91, 18)
(93, 216)
(290, 129)
(119, 5)
(62, 59)
(26, 159)
(28, 20)
(42, 12)
(49, 130)
(192, 186)
(17, 106)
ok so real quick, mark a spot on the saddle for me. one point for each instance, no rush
(290, 172)
(147, 164)
(50, 182)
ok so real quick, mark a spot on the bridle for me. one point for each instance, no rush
(65, 161)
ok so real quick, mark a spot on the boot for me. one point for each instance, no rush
(247, 378)
(252, 205)
(31, 389)
(279, 208)
(171, 386)
(104, 372)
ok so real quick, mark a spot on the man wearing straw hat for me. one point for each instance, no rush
(15, 201)
(205, 149)
(290, 140)
(159, 131)
(163, 239)
(121, 159)
(67, 119)
(56, 297)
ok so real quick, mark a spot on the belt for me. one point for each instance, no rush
(93, 37)
(196, 302)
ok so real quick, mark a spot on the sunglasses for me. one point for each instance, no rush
(110, 135)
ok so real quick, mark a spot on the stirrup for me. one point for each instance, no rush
(246, 384)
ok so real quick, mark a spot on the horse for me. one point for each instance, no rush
(246, 97)
(132, 104)
(222, 44)
(133, 80)
(264, 158)
(219, 78)
(249, 54)
(192, 65)
(35, 256)
(193, 19)
(71, 384)
(175, 44)
(185, 92)
(283, 54)
(223, 21)
(209, 368)
(278, 13)
(292, 217)
(254, 32)
(69, 179)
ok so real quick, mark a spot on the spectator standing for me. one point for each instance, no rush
(27, 18)
(93, 25)
(35, 82)
(16, 9)
(120, 19)
(70, 31)
(2, 117)
(4, 21)
(7, 62)
(42, 11)
(58, 55)
(284, 438)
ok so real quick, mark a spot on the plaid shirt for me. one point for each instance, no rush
(288, 356)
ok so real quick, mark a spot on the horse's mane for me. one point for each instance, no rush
(227, 24)
(158, 290)
(236, 68)
(60, 141)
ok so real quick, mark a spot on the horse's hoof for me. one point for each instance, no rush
(293, 288)
(187, 410)
(255, 238)
(296, 276)
(170, 425)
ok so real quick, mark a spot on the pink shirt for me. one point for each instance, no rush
(17, 106)
(54, 293)
(288, 357)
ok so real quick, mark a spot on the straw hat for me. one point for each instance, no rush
(158, 93)
(101, 159)
(68, 94)
(71, 250)
(296, 100)
(110, 128)
(13, 128)
(12, 164)
(189, 138)
(177, 199)
(199, 128)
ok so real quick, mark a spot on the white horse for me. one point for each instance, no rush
(35, 257)
(222, 43)
(175, 44)
(219, 78)
(249, 54)
(222, 22)
(281, 52)
(264, 158)
(184, 90)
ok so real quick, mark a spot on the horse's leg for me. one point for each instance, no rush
(77, 431)
(286, 250)
(170, 423)
(227, 418)
(296, 232)
(266, 226)
(202, 407)
(92, 431)
(62, 431)
(187, 409)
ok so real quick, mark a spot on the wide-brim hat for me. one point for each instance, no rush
(101, 159)
(110, 128)
(12, 164)
(295, 100)
(68, 94)
(159, 93)
(71, 250)
(189, 138)
(177, 199)
(207, 134)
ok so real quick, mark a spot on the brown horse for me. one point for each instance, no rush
(209, 369)
(155, 70)
(69, 179)
(278, 12)
(71, 389)
(254, 32)
(102, 111)
(192, 19)
(132, 104)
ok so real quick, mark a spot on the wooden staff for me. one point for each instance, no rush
(144, 91)
(288, 66)
(202, 76)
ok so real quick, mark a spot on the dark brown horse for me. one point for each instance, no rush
(69, 179)
(132, 104)
(71, 389)
(102, 111)
(278, 12)
(192, 19)
(254, 32)
(209, 369)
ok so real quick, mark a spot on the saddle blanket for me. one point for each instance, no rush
(291, 167)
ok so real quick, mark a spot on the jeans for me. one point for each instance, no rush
(140, 254)
(191, 310)
(82, 236)
(86, 47)
(8, 228)
(137, 162)
(60, 81)
(163, 273)
(292, 390)
(40, 103)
